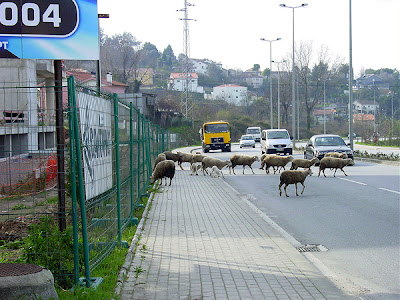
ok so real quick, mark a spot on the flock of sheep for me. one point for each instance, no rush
(164, 166)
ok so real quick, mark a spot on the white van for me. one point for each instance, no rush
(255, 132)
(276, 141)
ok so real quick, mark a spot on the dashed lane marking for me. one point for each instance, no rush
(383, 189)
(353, 181)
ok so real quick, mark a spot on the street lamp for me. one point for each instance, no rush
(373, 86)
(350, 79)
(98, 63)
(270, 75)
(279, 98)
(324, 104)
(293, 77)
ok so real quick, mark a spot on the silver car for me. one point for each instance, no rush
(247, 141)
(319, 145)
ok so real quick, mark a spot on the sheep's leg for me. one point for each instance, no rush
(243, 168)
(252, 169)
(273, 167)
(280, 191)
(343, 171)
(296, 189)
(319, 172)
(262, 165)
(170, 181)
(180, 164)
(323, 171)
(334, 173)
(302, 183)
(233, 169)
(286, 185)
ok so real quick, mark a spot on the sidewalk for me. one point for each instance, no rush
(202, 240)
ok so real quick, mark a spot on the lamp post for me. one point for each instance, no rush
(270, 76)
(373, 86)
(350, 80)
(293, 77)
(279, 98)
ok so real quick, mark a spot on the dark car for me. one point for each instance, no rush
(319, 145)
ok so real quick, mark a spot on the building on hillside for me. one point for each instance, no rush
(231, 93)
(252, 78)
(320, 114)
(371, 81)
(365, 106)
(107, 84)
(145, 76)
(177, 82)
(363, 118)
(199, 66)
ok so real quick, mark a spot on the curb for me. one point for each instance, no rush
(131, 251)
(378, 161)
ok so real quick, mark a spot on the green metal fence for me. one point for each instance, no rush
(110, 148)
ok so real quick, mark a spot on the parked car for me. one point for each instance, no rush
(319, 145)
(247, 141)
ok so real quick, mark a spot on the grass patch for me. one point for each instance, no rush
(387, 143)
(108, 269)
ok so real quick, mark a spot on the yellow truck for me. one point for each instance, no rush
(215, 135)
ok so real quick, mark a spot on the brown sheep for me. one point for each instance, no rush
(334, 163)
(293, 177)
(165, 168)
(243, 160)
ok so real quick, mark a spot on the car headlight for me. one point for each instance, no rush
(349, 152)
(290, 145)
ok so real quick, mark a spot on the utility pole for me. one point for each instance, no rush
(186, 103)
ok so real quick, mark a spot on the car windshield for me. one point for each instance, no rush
(246, 137)
(329, 141)
(216, 128)
(253, 131)
(278, 135)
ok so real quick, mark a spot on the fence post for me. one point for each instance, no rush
(139, 191)
(81, 193)
(117, 166)
(134, 221)
(71, 100)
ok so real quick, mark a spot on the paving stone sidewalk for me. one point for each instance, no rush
(202, 241)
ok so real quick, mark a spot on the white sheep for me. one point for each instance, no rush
(334, 163)
(243, 160)
(159, 158)
(209, 162)
(336, 154)
(215, 172)
(194, 168)
(165, 168)
(293, 177)
(276, 162)
(303, 163)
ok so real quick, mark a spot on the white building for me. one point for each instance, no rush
(177, 82)
(199, 66)
(253, 78)
(231, 93)
(366, 106)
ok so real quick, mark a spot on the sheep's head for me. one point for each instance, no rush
(228, 164)
(290, 158)
(308, 172)
(315, 160)
(349, 162)
(255, 158)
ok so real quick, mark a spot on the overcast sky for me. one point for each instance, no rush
(229, 31)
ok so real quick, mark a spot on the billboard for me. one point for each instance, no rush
(49, 29)
(96, 135)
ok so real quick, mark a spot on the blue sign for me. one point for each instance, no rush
(49, 29)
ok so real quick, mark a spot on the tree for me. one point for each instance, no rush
(121, 55)
(150, 55)
(168, 58)
(256, 67)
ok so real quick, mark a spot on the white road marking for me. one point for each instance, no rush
(383, 189)
(353, 181)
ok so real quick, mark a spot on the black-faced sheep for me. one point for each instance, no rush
(159, 158)
(293, 177)
(209, 162)
(334, 163)
(276, 162)
(303, 163)
(243, 160)
(336, 154)
(184, 157)
(165, 168)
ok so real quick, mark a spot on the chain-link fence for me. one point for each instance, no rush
(109, 151)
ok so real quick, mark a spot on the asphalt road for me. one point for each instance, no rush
(357, 217)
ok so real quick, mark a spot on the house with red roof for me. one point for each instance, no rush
(177, 82)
